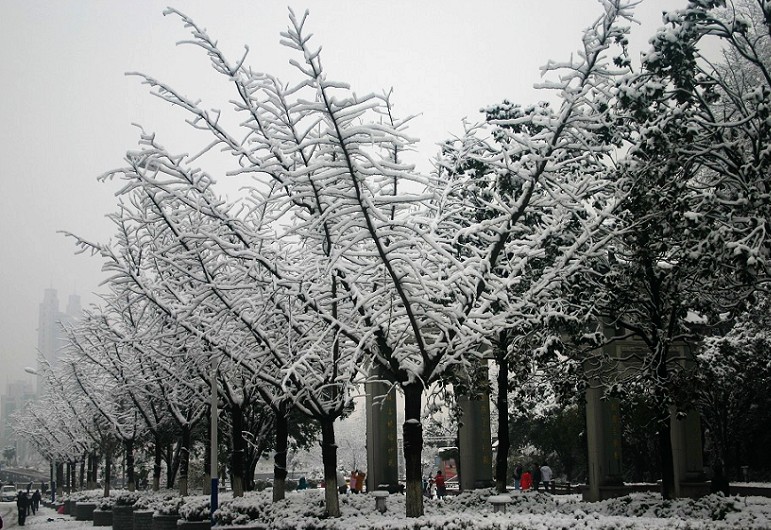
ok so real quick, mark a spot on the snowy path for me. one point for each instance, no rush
(46, 518)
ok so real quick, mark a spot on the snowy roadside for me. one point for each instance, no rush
(47, 518)
(470, 511)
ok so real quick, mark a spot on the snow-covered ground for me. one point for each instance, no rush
(472, 511)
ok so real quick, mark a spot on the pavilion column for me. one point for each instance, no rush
(603, 438)
(474, 435)
(382, 444)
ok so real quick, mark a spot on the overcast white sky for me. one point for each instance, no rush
(67, 107)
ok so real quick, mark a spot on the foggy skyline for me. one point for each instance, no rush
(69, 108)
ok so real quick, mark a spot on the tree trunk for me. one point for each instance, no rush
(667, 462)
(172, 464)
(207, 461)
(413, 447)
(94, 470)
(239, 448)
(89, 471)
(279, 461)
(157, 463)
(329, 459)
(665, 429)
(184, 460)
(128, 446)
(502, 456)
(59, 479)
(107, 471)
(82, 478)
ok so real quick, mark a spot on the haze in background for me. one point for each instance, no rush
(67, 108)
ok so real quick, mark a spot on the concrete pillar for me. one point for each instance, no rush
(474, 437)
(688, 456)
(603, 438)
(382, 445)
(476, 451)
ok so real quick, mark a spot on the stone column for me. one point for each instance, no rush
(382, 445)
(688, 456)
(476, 452)
(474, 436)
(603, 439)
(687, 450)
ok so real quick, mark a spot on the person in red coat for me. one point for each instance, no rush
(527, 481)
(441, 488)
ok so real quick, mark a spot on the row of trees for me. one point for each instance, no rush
(638, 200)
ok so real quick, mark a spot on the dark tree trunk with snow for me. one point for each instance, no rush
(239, 450)
(158, 450)
(207, 461)
(128, 446)
(502, 401)
(82, 478)
(95, 459)
(184, 459)
(329, 459)
(171, 465)
(107, 471)
(59, 478)
(279, 461)
(413, 447)
(665, 433)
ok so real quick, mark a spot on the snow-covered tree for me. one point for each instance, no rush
(690, 236)
(732, 374)
(528, 192)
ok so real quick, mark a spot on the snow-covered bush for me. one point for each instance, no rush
(170, 505)
(713, 507)
(127, 498)
(87, 495)
(255, 506)
(105, 503)
(195, 509)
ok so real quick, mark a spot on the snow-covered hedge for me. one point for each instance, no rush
(127, 498)
(195, 509)
(304, 510)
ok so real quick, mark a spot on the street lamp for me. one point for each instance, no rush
(213, 427)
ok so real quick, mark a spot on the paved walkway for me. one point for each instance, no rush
(46, 518)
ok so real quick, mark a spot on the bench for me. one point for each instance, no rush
(499, 502)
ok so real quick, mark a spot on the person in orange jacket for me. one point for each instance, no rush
(526, 482)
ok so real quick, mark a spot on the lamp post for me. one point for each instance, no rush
(213, 427)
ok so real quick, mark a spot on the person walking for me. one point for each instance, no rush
(342, 487)
(527, 480)
(36, 501)
(21, 506)
(546, 477)
(441, 488)
(536, 476)
(518, 477)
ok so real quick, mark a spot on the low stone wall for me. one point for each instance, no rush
(194, 525)
(84, 511)
(143, 520)
(755, 491)
(102, 517)
(165, 522)
(122, 517)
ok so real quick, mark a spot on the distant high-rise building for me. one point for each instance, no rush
(50, 338)
(16, 397)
